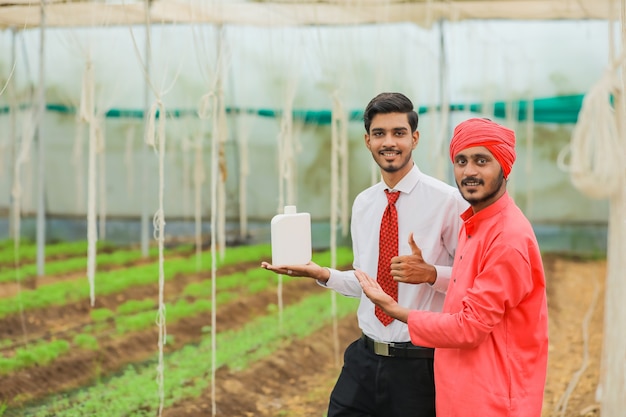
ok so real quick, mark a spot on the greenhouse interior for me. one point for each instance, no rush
(146, 147)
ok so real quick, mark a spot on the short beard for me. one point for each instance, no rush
(488, 197)
(391, 168)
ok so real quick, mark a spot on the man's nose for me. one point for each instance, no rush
(388, 139)
(470, 169)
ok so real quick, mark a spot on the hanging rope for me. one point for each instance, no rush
(530, 140)
(443, 127)
(23, 156)
(156, 139)
(208, 103)
(285, 176)
(77, 161)
(244, 172)
(597, 159)
(87, 114)
(128, 160)
(338, 197)
(185, 149)
(595, 149)
(220, 128)
(102, 200)
(198, 182)
(512, 112)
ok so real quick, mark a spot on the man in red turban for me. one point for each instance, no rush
(491, 339)
(499, 140)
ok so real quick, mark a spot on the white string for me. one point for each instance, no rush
(214, 238)
(128, 161)
(344, 171)
(221, 136)
(338, 146)
(102, 200)
(530, 140)
(78, 162)
(86, 112)
(198, 181)
(23, 157)
(158, 143)
(244, 172)
(16, 192)
(185, 148)
(287, 171)
(443, 132)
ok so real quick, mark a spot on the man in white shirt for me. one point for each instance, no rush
(384, 375)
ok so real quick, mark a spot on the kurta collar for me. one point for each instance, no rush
(473, 220)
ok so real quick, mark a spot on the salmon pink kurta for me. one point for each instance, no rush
(492, 339)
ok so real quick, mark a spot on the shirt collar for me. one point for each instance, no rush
(408, 182)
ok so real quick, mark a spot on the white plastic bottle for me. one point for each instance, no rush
(291, 237)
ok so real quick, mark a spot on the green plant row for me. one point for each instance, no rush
(106, 282)
(117, 258)
(137, 315)
(38, 354)
(74, 264)
(135, 393)
(116, 281)
(27, 250)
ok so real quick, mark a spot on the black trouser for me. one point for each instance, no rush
(378, 386)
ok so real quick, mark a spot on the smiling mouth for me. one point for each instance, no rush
(471, 183)
(389, 154)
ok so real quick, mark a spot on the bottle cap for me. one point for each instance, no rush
(290, 209)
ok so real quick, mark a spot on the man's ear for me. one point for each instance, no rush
(416, 138)
(367, 141)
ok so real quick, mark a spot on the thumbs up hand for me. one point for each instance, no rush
(412, 269)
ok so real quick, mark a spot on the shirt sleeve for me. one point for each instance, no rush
(450, 238)
(344, 282)
(443, 278)
(501, 285)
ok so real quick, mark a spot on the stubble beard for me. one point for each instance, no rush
(391, 168)
(474, 201)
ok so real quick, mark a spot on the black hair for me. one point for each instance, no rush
(390, 103)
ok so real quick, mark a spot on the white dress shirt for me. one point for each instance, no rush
(427, 207)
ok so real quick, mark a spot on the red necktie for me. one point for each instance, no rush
(388, 248)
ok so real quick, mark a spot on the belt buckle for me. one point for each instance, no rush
(381, 348)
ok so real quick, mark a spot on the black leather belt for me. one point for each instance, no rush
(397, 350)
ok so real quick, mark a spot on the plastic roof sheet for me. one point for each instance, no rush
(23, 14)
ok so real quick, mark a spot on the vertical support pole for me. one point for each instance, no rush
(41, 189)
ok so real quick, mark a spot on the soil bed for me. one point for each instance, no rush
(297, 379)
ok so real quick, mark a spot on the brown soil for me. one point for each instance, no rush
(296, 380)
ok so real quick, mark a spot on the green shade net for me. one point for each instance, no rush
(559, 109)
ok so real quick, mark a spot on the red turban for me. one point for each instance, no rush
(499, 140)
